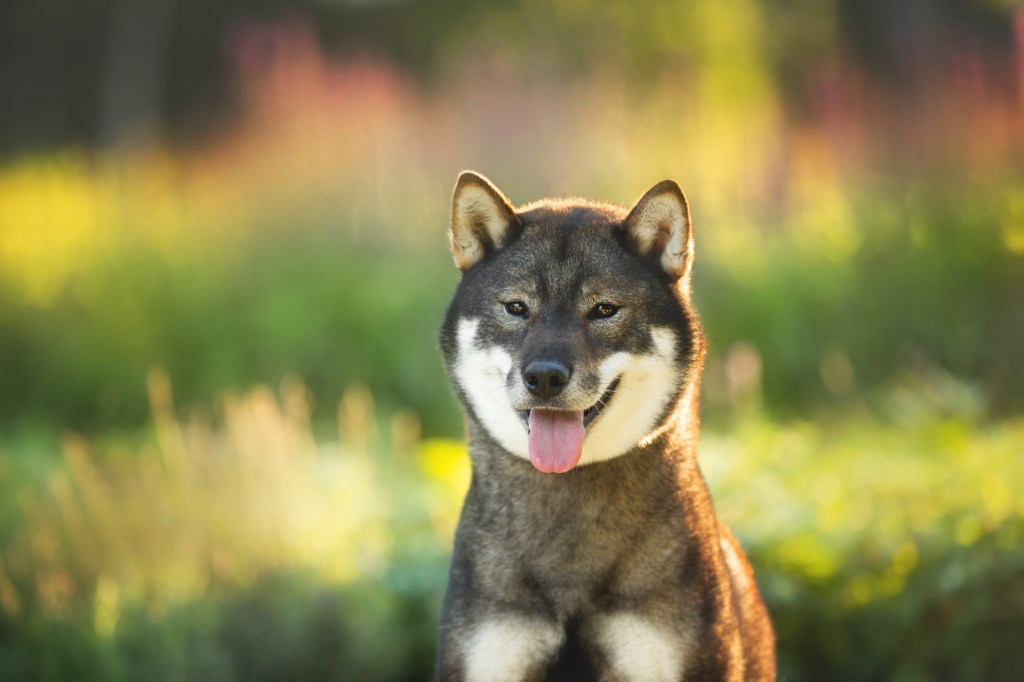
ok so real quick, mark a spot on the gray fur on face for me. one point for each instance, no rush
(564, 258)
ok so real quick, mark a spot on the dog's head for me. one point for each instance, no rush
(570, 338)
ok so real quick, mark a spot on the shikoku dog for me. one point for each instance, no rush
(588, 547)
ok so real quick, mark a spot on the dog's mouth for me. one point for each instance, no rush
(589, 414)
(556, 436)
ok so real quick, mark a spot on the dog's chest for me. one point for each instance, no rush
(581, 545)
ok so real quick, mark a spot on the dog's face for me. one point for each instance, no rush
(570, 338)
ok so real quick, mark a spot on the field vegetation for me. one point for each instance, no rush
(228, 450)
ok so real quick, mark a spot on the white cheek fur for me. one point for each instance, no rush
(648, 383)
(483, 375)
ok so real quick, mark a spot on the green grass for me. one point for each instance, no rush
(237, 546)
(884, 552)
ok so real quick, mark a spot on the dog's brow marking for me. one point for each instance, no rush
(664, 341)
(505, 650)
(482, 374)
(640, 651)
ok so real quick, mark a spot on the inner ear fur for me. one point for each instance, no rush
(658, 225)
(483, 220)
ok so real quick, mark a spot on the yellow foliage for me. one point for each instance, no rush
(225, 502)
(446, 462)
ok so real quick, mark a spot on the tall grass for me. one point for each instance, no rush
(224, 504)
(213, 498)
(237, 545)
(883, 552)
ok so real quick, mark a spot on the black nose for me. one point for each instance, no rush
(545, 378)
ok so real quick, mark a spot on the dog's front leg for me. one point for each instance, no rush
(500, 648)
(638, 650)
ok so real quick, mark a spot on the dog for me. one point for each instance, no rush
(587, 547)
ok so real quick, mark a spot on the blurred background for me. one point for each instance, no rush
(228, 450)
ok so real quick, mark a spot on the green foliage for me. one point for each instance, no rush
(287, 626)
(859, 255)
(930, 285)
(883, 552)
(328, 310)
(241, 552)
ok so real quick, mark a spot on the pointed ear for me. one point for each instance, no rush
(483, 220)
(658, 225)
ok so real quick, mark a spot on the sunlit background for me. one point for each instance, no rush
(228, 450)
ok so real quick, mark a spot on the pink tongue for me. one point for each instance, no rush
(556, 439)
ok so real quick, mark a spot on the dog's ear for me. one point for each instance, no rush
(483, 220)
(658, 226)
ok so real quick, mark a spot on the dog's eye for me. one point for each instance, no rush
(517, 308)
(603, 310)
